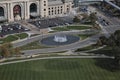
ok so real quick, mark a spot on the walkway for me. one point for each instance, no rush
(79, 44)
(73, 46)
(59, 57)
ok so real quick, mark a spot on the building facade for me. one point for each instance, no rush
(12, 10)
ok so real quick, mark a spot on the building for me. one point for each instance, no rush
(11, 10)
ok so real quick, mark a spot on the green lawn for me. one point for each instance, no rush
(38, 45)
(67, 28)
(78, 27)
(22, 35)
(14, 37)
(9, 38)
(60, 69)
(87, 48)
(33, 45)
(84, 36)
(60, 29)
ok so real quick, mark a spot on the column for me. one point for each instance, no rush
(39, 8)
(5, 11)
(22, 11)
(37, 3)
(10, 12)
(27, 10)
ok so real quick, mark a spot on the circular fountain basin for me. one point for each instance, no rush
(56, 40)
(60, 38)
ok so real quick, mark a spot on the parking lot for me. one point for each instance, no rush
(52, 22)
(11, 29)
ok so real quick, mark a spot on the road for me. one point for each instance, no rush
(114, 24)
(72, 46)
(79, 44)
(39, 37)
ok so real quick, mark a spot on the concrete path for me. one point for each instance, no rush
(59, 57)
(75, 45)
(79, 44)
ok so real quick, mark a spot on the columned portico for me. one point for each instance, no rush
(12, 10)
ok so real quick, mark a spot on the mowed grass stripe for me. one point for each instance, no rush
(2, 72)
(57, 69)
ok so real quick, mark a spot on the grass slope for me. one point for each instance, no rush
(22, 35)
(33, 45)
(59, 69)
(67, 28)
(14, 37)
(9, 38)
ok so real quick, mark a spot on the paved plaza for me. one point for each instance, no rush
(58, 21)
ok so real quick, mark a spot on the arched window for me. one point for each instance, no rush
(1, 11)
(17, 10)
(33, 7)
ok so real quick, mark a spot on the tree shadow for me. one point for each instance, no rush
(106, 63)
(107, 52)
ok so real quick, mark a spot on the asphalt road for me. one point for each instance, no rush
(72, 46)
(106, 30)
(79, 44)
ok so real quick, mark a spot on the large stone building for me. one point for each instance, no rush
(11, 10)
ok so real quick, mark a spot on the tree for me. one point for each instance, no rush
(102, 41)
(116, 46)
(93, 18)
(6, 50)
(7, 45)
(17, 51)
(76, 19)
(114, 42)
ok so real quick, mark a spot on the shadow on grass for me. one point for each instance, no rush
(107, 64)
(106, 51)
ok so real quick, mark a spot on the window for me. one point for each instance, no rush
(55, 11)
(58, 11)
(67, 9)
(44, 9)
(52, 13)
(44, 4)
(61, 10)
(49, 12)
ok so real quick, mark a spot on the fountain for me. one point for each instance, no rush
(60, 38)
